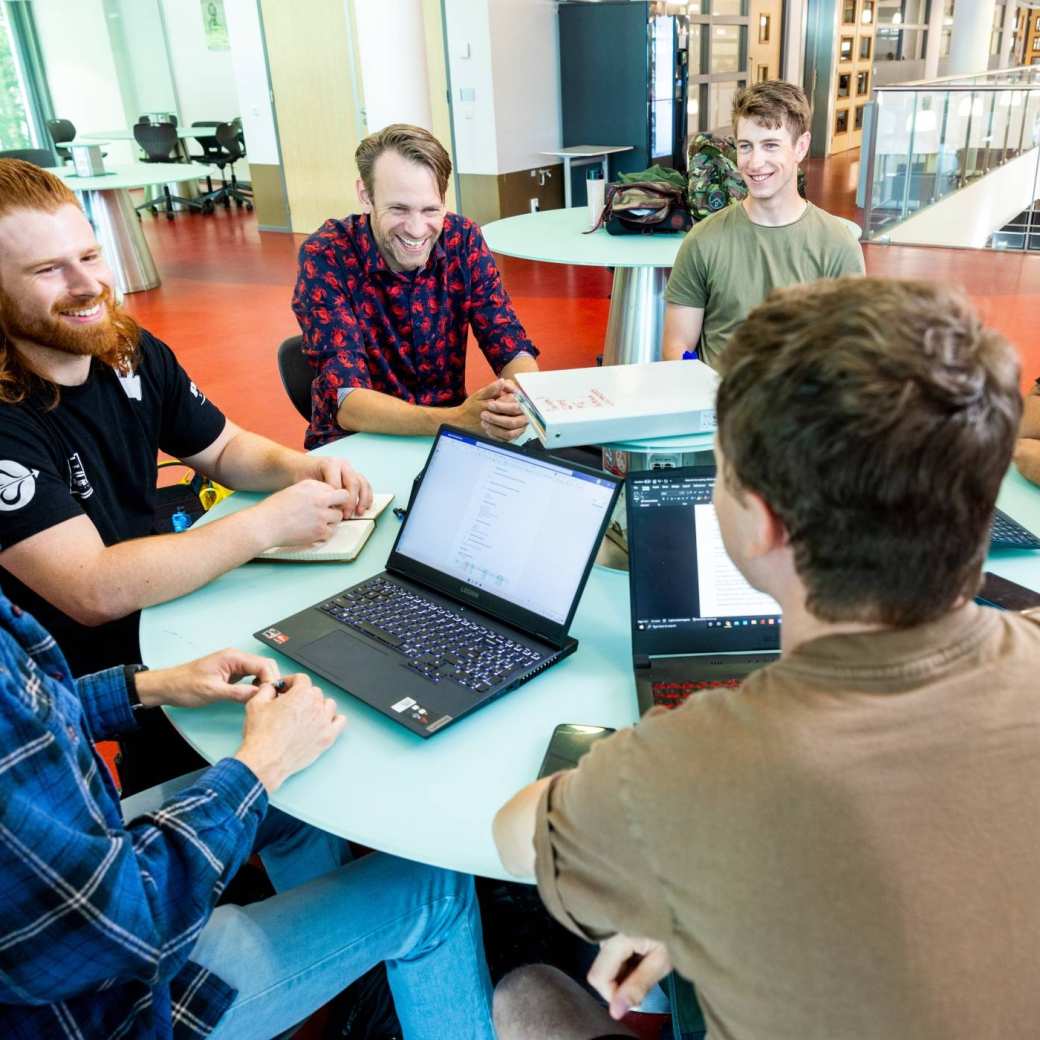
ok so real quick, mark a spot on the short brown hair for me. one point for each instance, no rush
(412, 143)
(774, 103)
(877, 419)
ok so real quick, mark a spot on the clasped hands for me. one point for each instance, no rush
(494, 411)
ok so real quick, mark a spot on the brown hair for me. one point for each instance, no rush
(774, 103)
(412, 143)
(29, 187)
(876, 418)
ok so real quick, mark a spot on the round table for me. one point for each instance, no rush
(107, 202)
(641, 266)
(429, 800)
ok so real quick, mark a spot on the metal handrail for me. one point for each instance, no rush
(966, 88)
(970, 75)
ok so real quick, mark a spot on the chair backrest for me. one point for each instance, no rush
(211, 150)
(158, 142)
(158, 118)
(37, 156)
(227, 135)
(61, 130)
(297, 374)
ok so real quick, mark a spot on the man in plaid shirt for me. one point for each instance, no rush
(108, 928)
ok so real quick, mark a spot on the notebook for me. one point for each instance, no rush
(696, 622)
(479, 591)
(343, 546)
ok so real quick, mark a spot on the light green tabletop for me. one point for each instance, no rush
(127, 134)
(136, 175)
(556, 236)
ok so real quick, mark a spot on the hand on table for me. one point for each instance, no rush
(340, 474)
(625, 970)
(204, 681)
(493, 411)
(304, 513)
(285, 732)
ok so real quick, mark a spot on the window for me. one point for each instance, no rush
(763, 73)
(863, 82)
(841, 123)
(14, 108)
(725, 48)
(848, 11)
(845, 51)
(1036, 43)
(763, 28)
(866, 16)
(844, 84)
(865, 47)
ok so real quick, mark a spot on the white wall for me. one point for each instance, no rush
(472, 88)
(392, 48)
(81, 71)
(249, 68)
(205, 79)
(152, 87)
(525, 70)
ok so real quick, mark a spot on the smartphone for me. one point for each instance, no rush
(569, 742)
(1007, 595)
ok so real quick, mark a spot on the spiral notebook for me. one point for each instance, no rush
(343, 546)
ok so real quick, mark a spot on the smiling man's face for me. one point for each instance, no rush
(768, 158)
(406, 210)
(55, 288)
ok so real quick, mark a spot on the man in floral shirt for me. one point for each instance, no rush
(384, 299)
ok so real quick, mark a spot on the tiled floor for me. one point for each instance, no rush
(224, 302)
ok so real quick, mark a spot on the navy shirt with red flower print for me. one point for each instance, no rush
(366, 326)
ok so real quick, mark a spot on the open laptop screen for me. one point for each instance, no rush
(687, 595)
(519, 527)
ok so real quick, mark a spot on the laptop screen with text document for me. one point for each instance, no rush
(519, 527)
(687, 594)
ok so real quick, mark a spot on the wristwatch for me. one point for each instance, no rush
(130, 678)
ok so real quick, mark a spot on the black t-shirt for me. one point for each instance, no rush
(95, 454)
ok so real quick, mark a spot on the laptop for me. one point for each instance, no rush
(696, 622)
(479, 591)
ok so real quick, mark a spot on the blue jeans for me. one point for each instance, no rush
(330, 923)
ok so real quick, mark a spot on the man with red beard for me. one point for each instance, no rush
(86, 400)
(385, 300)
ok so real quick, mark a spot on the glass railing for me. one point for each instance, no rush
(923, 142)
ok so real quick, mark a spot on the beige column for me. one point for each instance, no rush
(969, 44)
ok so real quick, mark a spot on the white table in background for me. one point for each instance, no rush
(585, 155)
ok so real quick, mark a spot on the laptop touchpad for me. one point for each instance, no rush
(341, 654)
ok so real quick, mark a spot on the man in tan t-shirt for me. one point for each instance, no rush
(730, 262)
(848, 845)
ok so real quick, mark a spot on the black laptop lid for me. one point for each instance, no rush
(686, 594)
(511, 533)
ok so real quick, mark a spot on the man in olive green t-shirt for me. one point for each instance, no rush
(730, 262)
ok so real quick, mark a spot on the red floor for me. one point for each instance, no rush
(224, 302)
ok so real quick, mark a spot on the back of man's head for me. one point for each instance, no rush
(774, 103)
(876, 418)
(412, 143)
(25, 186)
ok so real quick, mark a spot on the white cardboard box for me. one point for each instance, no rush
(619, 402)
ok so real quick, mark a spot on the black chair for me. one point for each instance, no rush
(169, 120)
(62, 131)
(297, 374)
(37, 156)
(232, 149)
(160, 145)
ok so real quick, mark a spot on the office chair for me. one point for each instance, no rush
(297, 374)
(37, 156)
(231, 150)
(169, 119)
(62, 131)
(159, 144)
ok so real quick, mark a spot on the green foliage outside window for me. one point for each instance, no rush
(14, 125)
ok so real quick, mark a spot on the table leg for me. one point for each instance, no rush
(566, 182)
(635, 323)
(122, 241)
(606, 168)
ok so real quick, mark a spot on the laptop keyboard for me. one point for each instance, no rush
(1009, 534)
(674, 694)
(437, 642)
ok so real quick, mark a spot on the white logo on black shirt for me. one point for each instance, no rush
(78, 483)
(17, 485)
(196, 392)
(131, 385)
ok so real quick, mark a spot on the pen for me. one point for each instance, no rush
(278, 684)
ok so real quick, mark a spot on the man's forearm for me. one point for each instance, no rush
(521, 363)
(370, 411)
(1027, 458)
(513, 829)
(250, 462)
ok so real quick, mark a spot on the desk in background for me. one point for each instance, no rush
(585, 155)
(106, 200)
(428, 800)
(641, 266)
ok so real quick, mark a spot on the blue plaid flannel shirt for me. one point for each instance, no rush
(98, 917)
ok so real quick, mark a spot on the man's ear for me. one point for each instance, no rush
(363, 196)
(801, 146)
(766, 529)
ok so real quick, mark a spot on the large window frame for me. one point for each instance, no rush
(701, 82)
